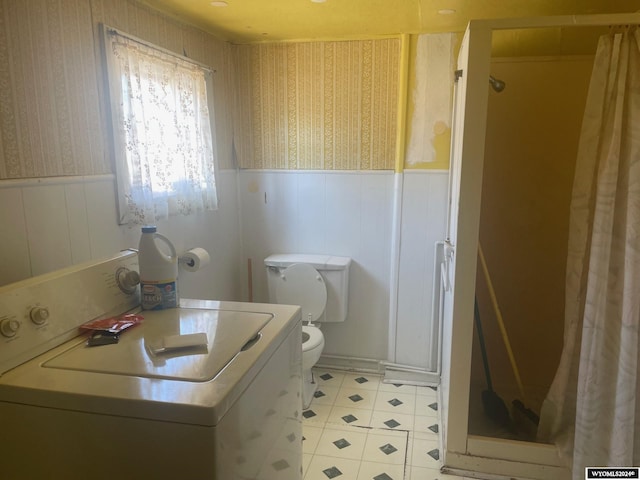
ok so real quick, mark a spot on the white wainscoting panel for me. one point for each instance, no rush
(102, 218)
(14, 241)
(52, 223)
(76, 206)
(45, 210)
(336, 213)
(424, 208)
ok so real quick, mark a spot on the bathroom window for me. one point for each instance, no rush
(162, 119)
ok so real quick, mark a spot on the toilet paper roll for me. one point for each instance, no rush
(194, 259)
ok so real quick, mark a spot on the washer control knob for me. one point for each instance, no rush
(9, 327)
(39, 315)
(127, 280)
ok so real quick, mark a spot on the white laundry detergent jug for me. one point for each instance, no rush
(158, 271)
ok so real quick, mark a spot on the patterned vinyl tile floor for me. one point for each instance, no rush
(359, 428)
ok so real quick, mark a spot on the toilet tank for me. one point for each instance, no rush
(334, 271)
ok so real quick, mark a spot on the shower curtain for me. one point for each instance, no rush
(592, 411)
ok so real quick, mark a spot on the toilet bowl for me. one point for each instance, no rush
(300, 280)
(312, 346)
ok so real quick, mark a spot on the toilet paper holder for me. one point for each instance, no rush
(194, 259)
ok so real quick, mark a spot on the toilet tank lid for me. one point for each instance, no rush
(319, 262)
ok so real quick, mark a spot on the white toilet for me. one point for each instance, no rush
(320, 285)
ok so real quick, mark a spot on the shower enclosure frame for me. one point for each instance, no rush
(463, 452)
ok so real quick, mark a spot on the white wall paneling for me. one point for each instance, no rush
(49, 236)
(352, 214)
(102, 217)
(14, 254)
(76, 209)
(52, 223)
(219, 233)
(423, 224)
(336, 213)
(398, 183)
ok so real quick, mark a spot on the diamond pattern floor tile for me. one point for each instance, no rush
(316, 413)
(326, 468)
(359, 428)
(427, 424)
(362, 381)
(377, 471)
(397, 388)
(325, 395)
(398, 421)
(350, 416)
(395, 402)
(329, 379)
(355, 397)
(342, 443)
(425, 453)
(385, 449)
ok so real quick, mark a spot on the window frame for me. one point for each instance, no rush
(114, 121)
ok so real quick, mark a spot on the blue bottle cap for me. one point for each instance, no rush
(149, 229)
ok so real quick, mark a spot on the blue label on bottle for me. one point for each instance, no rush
(158, 296)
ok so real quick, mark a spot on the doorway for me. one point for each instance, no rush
(463, 451)
(533, 128)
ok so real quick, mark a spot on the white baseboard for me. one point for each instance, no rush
(337, 362)
(393, 373)
(407, 375)
(421, 379)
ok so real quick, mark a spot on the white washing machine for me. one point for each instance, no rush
(227, 407)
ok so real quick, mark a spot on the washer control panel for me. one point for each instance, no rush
(42, 312)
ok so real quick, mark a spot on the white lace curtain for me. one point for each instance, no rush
(162, 129)
(592, 411)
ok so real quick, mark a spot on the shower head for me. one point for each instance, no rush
(497, 85)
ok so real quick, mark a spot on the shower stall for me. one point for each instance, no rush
(466, 449)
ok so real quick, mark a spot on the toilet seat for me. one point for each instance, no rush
(301, 284)
(314, 340)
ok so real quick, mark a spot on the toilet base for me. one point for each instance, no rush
(309, 387)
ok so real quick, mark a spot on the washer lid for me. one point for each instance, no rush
(227, 332)
(301, 284)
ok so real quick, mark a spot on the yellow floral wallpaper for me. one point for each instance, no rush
(53, 119)
(318, 105)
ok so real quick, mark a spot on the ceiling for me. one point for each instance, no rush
(251, 21)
